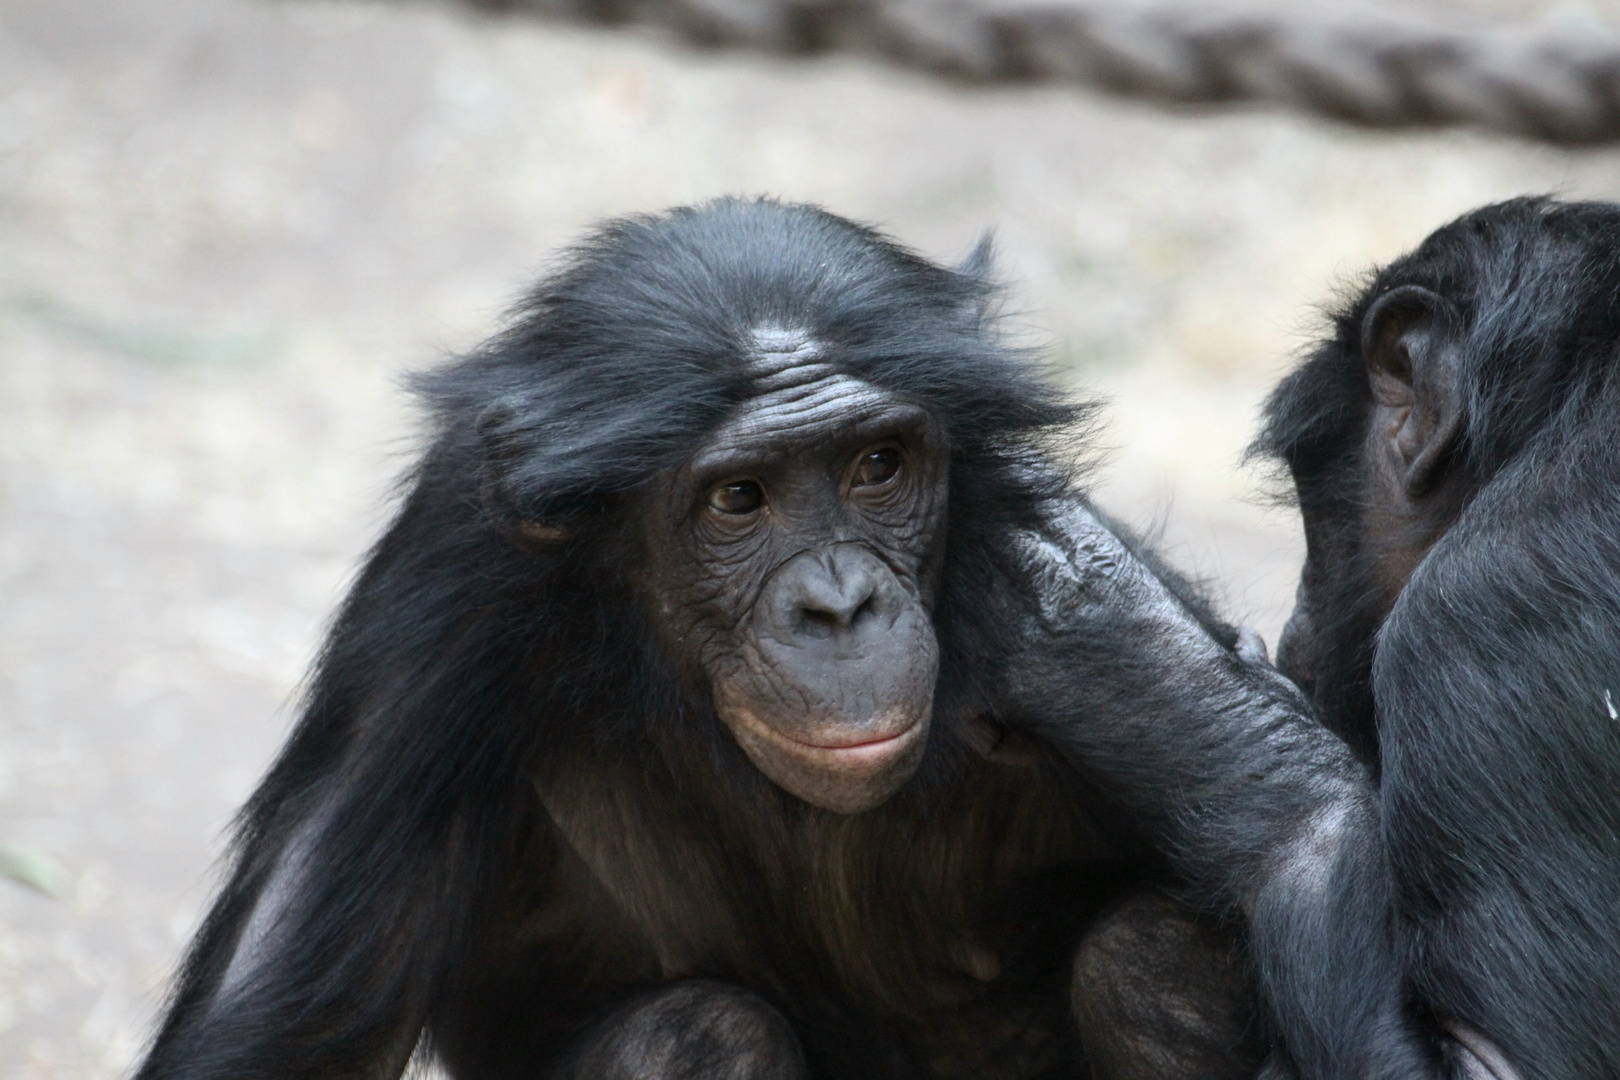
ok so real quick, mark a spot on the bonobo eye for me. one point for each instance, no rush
(737, 497)
(877, 467)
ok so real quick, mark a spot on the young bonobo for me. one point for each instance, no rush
(1456, 451)
(740, 692)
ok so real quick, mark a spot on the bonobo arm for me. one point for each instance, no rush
(316, 960)
(1217, 758)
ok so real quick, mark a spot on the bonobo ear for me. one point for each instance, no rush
(493, 492)
(978, 267)
(981, 260)
(1408, 342)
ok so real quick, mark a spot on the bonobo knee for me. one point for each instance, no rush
(1160, 992)
(692, 1030)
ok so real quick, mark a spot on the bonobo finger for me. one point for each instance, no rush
(1086, 577)
(1277, 1067)
(1251, 646)
(1476, 1056)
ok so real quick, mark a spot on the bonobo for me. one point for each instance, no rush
(742, 692)
(1456, 451)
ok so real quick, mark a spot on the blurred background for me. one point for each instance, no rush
(227, 227)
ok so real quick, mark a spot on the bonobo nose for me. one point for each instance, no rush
(842, 595)
(1295, 650)
(835, 602)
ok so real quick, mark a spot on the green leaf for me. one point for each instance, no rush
(32, 869)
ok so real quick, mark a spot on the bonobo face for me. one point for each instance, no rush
(793, 565)
(1370, 521)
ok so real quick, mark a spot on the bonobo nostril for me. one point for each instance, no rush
(822, 616)
(842, 594)
(835, 598)
(818, 624)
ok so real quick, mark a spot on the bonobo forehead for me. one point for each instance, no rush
(798, 394)
(803, 407)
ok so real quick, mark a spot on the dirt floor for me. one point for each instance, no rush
(228, 226)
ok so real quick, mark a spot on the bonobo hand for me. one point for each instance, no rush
(1251, 646)
(1219, 756)
(1095, 604)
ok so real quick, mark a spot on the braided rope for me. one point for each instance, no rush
(1557, 83)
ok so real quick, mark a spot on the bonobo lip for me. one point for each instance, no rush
(879, 741)
(861, 751)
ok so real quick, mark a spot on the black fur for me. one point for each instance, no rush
(1486, 692)
(1096, 738)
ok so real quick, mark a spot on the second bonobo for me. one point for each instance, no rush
(1455, 451)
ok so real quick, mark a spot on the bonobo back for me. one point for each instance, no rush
(1452, 444)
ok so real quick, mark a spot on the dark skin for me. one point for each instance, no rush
(794, 576)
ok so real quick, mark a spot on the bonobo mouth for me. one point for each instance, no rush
(1295, 649)
(845, 771)
(857, 746)
(883, 741)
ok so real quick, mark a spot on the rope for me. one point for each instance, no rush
(1553, 82)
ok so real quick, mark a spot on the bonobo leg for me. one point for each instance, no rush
(1161, 994)
(697, 1030)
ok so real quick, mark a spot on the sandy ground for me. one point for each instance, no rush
(228, 226)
